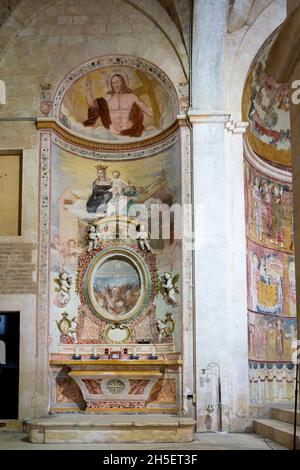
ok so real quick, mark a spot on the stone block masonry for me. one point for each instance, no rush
(17, 270)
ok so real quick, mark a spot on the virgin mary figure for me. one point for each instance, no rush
(101, 193)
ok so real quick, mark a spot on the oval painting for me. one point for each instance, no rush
(116, 287)
(117, 103)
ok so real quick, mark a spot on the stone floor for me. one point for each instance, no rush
(203, 441)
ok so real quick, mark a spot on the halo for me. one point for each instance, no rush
(117, 72)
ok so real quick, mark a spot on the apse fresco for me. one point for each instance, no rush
(271, 338)
(266, 107)
(271, 281)
(117, 103)
(269, 214)
(271, 286)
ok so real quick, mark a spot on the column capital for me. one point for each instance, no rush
(236, 127)
(182, 120)
(201, 117)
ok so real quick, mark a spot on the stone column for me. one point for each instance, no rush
(219, 228)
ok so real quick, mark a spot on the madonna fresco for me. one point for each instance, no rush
(117, 104)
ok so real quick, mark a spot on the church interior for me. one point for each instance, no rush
(149, 220)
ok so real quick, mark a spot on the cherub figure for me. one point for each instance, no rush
(169, 288)
(93, 237)
(142, 237)
(64, 284)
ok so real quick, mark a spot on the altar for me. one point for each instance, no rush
(139, 386)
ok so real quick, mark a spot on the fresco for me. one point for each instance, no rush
(117, 103)
(266, 108)
(269, 213)
(271, 281)
(86, 192)
(271, 286)
(271, 338)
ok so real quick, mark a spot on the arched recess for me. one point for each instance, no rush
(284, 65)
(41, 46)
(265, 24)
(270, 234)
(148, 169)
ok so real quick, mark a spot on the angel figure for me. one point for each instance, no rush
(142, 237)
(63, 287)
(169, 288)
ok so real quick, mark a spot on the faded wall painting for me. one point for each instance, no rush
(271, 338)
(271, 286)
(266, 107)
(271, 281)
(117, 103)
(269, 210)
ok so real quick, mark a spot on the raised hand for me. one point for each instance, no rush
(89, 84)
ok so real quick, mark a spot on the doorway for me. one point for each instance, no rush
(9, 364)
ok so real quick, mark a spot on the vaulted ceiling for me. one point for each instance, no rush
(179, 11)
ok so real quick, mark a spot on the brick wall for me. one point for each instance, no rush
(17, 268)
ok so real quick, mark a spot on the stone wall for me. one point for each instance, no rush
(17, 268)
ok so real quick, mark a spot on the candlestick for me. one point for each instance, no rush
(134, 354)
(153, 353)
(94, 351)
(76, 356)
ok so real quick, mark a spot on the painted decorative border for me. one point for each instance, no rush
(107, 151)
(44, 217)
(279, 174)
(108, 61)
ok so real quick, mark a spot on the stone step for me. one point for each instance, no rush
(83, 429)
(277, 431)
(285, 414)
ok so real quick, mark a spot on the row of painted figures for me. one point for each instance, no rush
(269, 211)
(272, 339)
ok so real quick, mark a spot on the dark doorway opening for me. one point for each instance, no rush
(9, 364)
